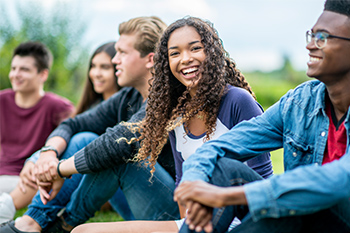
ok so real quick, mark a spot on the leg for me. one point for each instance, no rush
(229, 172)
(8, 183)
(44, 214)
(127, 227)
(148, 201)
(120, 205)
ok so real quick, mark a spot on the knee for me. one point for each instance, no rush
(83, 136)
(84, 228)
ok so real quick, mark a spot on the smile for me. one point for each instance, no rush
(189, 71)
(314, 59)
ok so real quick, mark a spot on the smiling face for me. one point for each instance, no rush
(333, 60)
(132, 69)
(24, 75)
(186, 54)
(102, 75)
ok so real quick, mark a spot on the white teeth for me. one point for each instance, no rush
(189, 70)
(312, 59)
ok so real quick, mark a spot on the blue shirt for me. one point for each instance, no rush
(236, 105)
(297, 122)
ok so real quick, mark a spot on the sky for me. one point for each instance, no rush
(256, 33)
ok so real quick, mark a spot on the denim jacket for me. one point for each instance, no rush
(298, 123)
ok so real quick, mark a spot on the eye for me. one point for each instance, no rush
(196, 48)
(321, 35)
(173, 53)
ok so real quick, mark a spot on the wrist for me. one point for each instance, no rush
(49, 148)
(59, 171)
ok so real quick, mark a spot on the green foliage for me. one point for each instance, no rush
(60, 28)
(269, 87)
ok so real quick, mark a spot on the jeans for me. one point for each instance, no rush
(147, 200)
(44, 214)
(334, 219)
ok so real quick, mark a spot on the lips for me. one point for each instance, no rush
(190, 71)
(313, 59)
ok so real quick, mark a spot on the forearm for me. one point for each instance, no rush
(233, 196)
(67, 167)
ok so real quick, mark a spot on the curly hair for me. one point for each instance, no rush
(170, 103)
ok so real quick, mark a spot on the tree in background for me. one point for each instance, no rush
(60, 28)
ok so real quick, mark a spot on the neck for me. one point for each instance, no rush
(339, 95)
(143, 88)
(28, 100)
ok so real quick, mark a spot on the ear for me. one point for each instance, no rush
(149, 60)
(44, 74)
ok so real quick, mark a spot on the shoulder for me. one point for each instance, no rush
(57, 102)
(239, 97)
(7, 92)
(305, 92)
(126, 93)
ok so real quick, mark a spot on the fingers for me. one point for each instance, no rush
(21, 186)
(198, 216)
(44, 195)
(46, 171)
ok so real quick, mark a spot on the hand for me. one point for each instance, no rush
(201, 192)
(27, 177)
(46, 187)
(45, 169)
(198, 217)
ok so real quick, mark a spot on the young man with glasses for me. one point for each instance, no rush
(312, 124)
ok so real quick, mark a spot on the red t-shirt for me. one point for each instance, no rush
(24, 131)
(336, 141)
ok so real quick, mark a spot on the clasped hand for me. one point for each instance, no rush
(47, 178)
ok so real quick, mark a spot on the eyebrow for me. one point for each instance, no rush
(191, 43)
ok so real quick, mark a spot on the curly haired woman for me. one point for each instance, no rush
(197, 94)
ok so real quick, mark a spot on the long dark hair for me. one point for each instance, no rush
(90, 96)
(170, 103)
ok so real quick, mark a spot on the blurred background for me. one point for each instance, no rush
(266, 38)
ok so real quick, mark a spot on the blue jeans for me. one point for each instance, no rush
(147, 200)
(44, 214)
(229, 172)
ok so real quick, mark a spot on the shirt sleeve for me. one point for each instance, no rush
(95, 120)
(244, 141)
(105, 151)
(303, 190)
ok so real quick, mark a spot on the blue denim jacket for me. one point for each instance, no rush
(298, 123)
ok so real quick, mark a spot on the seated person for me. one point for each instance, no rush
(28, 115)
(312, 124)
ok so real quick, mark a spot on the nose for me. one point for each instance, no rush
(96, 71)
(14, 73)
(311, 45)
(186, 58)
(115, 59)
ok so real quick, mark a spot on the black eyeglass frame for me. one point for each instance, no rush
(325, 35)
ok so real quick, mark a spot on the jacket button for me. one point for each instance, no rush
(323, 134)
(295, 154)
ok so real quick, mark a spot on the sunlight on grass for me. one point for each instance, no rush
(277, 161)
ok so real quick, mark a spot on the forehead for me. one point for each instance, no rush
(184, 34)
(101, 57)
(26, 61)
(126, 42)
(334, 23)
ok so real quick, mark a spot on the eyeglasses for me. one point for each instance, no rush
(320, 38)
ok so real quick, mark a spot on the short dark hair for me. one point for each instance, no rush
(338, 6)
(41, 54)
